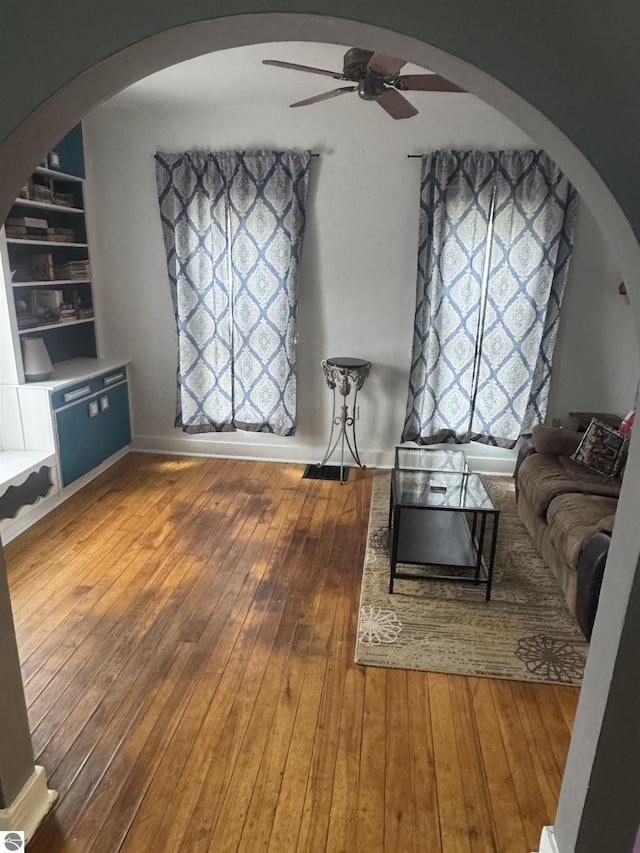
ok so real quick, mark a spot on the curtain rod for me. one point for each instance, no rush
(412, 156)
(313, 155)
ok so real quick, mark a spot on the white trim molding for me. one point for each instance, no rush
(30, 806)
(483, 460)
(548, 841)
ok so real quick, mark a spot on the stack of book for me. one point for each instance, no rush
(34, 228)
(67, 312)
(29, 320)
(27, 228)
(61, 235)
(42, 268)
(40, 190)
(74, 270)
(64, 199)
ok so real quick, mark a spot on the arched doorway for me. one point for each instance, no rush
(34, 122)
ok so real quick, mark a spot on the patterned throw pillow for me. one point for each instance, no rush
(603, 449)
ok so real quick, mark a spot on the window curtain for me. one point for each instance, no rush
(233, 226)
(495, 239)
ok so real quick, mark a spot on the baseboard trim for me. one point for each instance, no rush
(548, 841)
(304, 454)
(30, 806)
(220, 448)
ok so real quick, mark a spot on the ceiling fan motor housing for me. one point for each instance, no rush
(355, 63)
(371, 87)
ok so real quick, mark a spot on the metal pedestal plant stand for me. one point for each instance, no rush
(343, 375)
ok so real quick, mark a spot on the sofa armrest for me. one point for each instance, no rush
(526, 449)
(591, 563)
(561, 442)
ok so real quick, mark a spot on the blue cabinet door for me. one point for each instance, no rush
(85, 439)
(114, 421)
(77, 434)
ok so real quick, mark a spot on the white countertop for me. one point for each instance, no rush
(77, 370)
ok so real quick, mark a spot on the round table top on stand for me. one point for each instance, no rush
(343, 363)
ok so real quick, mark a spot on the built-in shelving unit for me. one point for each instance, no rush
(44, 253)
(58, 430)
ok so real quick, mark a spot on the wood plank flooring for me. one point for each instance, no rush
(186, 631)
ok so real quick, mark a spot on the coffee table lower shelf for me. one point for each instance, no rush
(440, 537)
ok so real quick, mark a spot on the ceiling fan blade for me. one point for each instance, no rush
(335, 74)
(386, 65)
(396, 104)
(325, 96)
(425, 83)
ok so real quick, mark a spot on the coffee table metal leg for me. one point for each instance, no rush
(494, 542)
(394, 547)
(479, 544)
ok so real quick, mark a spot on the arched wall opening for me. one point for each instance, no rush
(49, 121)
(34, 137)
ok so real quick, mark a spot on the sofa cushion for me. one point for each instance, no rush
(590, 482)
(573, 518)
(543, 476)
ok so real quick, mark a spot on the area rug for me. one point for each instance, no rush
(524, 633)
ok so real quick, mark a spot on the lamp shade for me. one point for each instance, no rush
(35, 359)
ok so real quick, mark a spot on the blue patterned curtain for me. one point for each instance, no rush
(496, 233)
(233, 225)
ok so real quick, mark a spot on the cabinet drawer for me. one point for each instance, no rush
(113, 377)
(74, 393)
(82, 390)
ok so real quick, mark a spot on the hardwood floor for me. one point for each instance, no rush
(186, 630)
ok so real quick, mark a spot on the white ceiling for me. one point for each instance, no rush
(237, 77)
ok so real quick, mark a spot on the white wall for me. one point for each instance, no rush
(357, 287)
(596, 362)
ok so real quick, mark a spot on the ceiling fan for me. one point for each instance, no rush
(377, 78)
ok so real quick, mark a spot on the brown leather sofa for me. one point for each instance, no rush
(569, 511)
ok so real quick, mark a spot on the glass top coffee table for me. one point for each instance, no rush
(438, 516)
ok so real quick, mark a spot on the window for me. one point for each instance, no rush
(233, 225)
(496, 233)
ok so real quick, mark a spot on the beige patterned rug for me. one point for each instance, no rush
(525, 633)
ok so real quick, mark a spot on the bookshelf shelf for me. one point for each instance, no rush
(46, 205)
(61, 325)
(59, 176)
(48, 282)
(52, 243)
